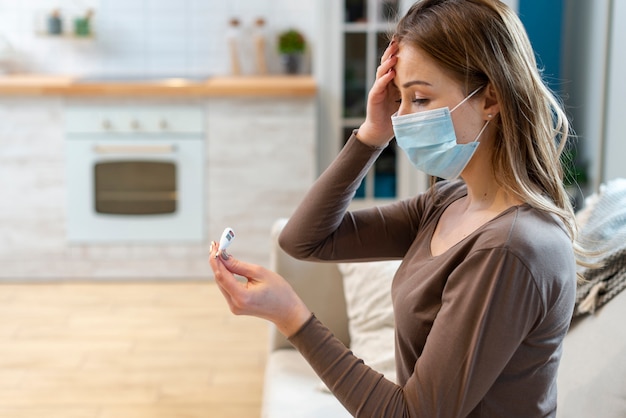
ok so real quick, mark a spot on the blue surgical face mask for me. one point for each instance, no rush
(429, 141)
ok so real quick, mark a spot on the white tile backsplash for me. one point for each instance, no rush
(185, 37)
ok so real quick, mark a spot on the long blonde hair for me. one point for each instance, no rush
(480, 42)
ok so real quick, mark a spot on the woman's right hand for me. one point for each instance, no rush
(381, 101)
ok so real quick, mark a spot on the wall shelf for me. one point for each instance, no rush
(66, 36)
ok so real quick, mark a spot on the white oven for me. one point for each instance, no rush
(135, 173)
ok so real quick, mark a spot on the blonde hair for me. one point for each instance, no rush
(483, 42)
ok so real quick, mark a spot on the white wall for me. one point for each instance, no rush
(614, 144)
(586, 63)
(180, 37)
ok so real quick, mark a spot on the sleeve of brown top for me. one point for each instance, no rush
(361, 390)
(320, 229)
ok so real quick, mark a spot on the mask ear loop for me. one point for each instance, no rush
(467, 98)
(481, 130)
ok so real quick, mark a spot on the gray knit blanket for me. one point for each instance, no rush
(603, 230)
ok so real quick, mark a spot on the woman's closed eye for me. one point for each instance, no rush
(420, 102)
(416, 101)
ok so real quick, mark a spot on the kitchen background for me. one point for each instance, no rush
(135, 39)
(260, 153)
(144, 37)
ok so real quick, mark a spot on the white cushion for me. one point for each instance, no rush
(592, 374)
(367, 288)
(291, 389)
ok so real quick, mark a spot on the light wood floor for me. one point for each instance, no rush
(140, 350)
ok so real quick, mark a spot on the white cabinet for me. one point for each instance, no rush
(360, 32)
(258, 163)
(366, 27)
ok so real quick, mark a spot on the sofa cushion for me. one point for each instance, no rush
(367, 288)
(291, 389)
(318, 284)
(591, 379)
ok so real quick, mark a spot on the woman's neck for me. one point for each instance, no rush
(484, 192)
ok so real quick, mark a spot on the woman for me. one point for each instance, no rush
(485, 292)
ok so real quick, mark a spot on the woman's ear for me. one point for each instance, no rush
(492, 106)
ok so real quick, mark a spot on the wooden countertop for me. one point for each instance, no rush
(251, 86)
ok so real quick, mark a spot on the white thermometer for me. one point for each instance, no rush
(226, 239)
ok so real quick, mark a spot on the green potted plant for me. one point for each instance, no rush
(291, 46)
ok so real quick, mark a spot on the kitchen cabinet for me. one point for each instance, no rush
(363, 28)
(365, 33)
(259, 161)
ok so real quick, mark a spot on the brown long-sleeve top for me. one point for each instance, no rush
(479, 328)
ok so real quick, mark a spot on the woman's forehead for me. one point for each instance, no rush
(415, 65)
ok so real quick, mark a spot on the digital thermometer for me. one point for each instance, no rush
(226, 239)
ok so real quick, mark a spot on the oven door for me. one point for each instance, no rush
(142, 190)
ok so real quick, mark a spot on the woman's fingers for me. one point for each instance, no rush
(231, 288)
(386, 67)
(241, 268)
(388, 60)
(240, 295)
(385, 71)
(390, 50)
(219, 273)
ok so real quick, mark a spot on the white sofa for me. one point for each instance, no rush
(592, 377)
(291, 388)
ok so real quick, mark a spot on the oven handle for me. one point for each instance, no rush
(134, 149)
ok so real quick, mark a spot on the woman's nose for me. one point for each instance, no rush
(404, 109)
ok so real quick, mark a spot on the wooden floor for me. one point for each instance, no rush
(140, 350)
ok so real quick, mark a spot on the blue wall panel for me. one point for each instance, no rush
(543, 20)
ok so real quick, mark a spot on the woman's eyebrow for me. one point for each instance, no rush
(414, 82)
